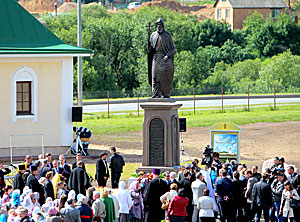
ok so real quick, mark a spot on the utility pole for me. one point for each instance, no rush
(79, 44)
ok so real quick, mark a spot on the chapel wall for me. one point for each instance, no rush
(49, 75)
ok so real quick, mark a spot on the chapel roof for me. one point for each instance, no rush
(277, 4)
(22, 33)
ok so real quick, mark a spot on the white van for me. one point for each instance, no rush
(133, 5)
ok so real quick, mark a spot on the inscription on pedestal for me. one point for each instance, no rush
(156, 140)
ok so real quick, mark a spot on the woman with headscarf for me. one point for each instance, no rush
(46, 206)
(72, 195)
(109, 206)
(53, 215)
(36, 197)
(137, 201)
(28, 203)
(124, 198)
(25, 193)
(16, 198)
(37, 215)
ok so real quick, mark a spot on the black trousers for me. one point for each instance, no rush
(227, 211)
(258, 211)
(101, 182)
(207, 219)
(115, 178)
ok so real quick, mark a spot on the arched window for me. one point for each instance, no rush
(24, 94)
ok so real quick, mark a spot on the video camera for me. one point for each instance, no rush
(208, 155)
(276, 171)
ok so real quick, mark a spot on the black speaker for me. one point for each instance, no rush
(76, 114)
(182, 124)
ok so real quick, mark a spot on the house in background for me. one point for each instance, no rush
(36, 87)
(234, 12)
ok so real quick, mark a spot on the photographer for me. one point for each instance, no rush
(192, 169)
(216, 162)
(211, 159)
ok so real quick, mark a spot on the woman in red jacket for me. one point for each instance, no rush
(177, 208)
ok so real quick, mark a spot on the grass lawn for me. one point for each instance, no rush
(100, 124)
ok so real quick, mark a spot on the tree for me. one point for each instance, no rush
(213, 33)
(281, 70)
(269, 37)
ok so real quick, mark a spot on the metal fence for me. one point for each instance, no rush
(102, 94)
(136, 96)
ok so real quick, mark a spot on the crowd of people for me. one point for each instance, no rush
(48, 190)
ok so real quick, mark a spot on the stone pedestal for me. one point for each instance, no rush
(161, 147)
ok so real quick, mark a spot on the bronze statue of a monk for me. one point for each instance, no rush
(161, 52)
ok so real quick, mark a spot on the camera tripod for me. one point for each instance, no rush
(77, 146)
(183, 152)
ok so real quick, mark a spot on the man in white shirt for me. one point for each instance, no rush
(198, 187)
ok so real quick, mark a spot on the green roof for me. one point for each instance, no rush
(22, 33)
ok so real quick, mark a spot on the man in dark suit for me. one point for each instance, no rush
(224, 192)
(102, 173)
(116, 163)
(48, 186)
(44, 168)
(63, 164)
(78, 158)
(49, 158)
(291, 174)
(187, 185)
(262, 198)
(79, 180)
(173, 180)
(155, 189)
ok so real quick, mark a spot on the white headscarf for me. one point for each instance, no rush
(16, 191)
(35, 211)
(56, 202)
(27, 203)
(26, 191)
(46, 206)
(122, 185)
(72, 195)
(36, 196)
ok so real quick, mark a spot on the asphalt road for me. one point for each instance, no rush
(188, 104)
